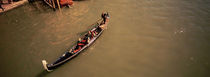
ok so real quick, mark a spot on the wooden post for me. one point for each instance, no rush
(50, 2)
(59, 5)
(53, 3)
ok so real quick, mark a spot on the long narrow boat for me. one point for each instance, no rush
(71, 53)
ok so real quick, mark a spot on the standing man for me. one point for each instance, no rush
(104, 16)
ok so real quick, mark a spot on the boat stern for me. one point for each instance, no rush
(44, 62)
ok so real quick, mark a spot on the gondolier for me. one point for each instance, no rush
(85, 42)
(104, 16)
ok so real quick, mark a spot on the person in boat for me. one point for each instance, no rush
(71, 51)
(81, 43)
(101, 27)
(104, 16)
(98, 29)
(86, 39)
(92, 34)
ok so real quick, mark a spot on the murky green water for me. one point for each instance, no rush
(145, 38)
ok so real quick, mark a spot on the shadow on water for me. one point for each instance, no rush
(43, 73)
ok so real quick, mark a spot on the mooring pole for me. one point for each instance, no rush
(53, 3)
(59, 5)
(50, 2)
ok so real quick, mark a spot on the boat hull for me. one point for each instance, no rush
(68, 55)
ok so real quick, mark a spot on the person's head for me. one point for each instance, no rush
(106, 14)
(80, 39)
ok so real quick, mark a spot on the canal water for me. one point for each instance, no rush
(145, 38)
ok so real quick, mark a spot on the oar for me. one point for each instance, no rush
(97, 21)
(85, 32)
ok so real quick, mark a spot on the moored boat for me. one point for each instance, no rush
(86, 41)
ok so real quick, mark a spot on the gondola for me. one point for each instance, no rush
(71, 53)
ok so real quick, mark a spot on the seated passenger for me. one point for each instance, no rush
(98, 29)
(81, 43)
(103, 26)
(92, 34)
(70, 51)
(77, 49)
(85, 40)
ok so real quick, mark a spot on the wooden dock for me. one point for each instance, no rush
(13, 5)
(52, 3)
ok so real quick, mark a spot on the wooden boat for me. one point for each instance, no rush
(71, 53)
